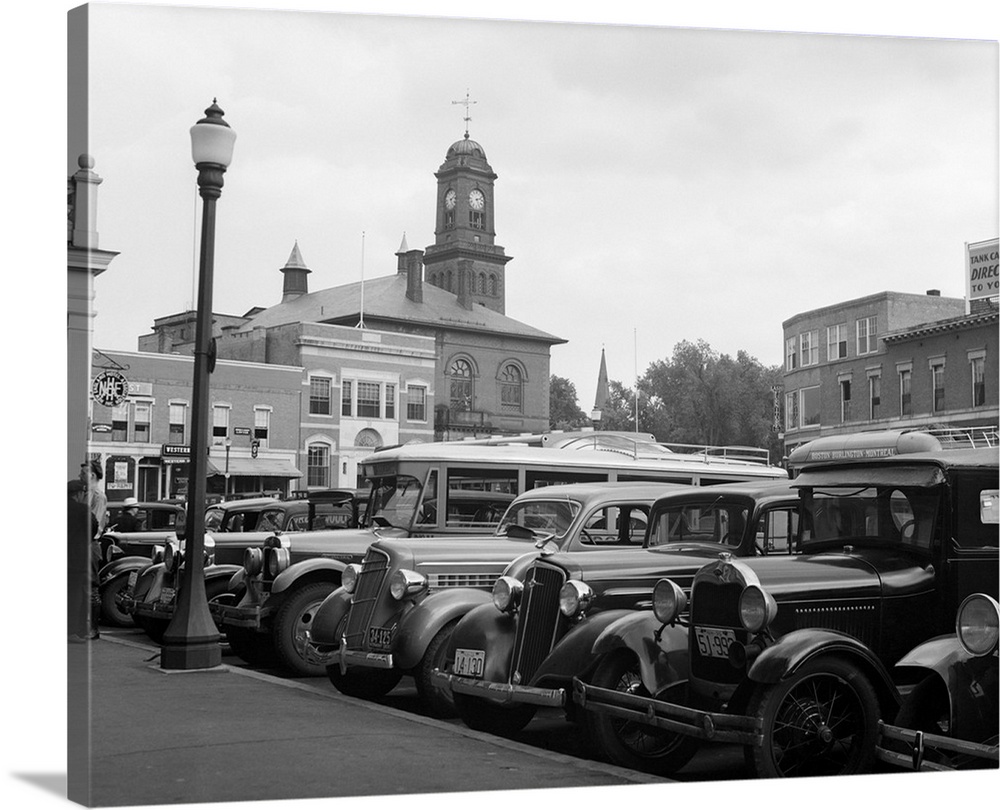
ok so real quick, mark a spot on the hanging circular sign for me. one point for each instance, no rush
(109, 388)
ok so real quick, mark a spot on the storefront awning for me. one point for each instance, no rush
(274, 467)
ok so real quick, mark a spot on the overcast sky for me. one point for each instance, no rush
(655, 184)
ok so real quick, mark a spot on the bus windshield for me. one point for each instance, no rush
(394, 500)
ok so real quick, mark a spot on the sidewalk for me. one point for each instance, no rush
(230, 734)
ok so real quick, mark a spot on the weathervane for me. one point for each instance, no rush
(466, 104)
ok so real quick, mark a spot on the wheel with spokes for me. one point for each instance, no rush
(626, 742)
(821, 721)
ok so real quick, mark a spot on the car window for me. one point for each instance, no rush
(717, 522)
(269, 520)
(852, 515)
(615, 525)
(213, 519)
(542, 517)
(976, 511)
(776, 530)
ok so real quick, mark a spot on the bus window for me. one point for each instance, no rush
(478, 498)
(546, 478)
(427, 514)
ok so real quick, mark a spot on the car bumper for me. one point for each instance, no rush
(502, 693)
(709, 726)
(248, 616)
(911, 752)
(360, 658)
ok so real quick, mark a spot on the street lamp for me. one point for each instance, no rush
(595, 417)
(229, 444)
(191, 640)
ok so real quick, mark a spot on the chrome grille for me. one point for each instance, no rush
(484, 581)
(374, 568)
(538, 620)
(716, 605)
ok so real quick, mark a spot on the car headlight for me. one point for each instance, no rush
(253, 561)
(172, 557)
(406, 583)
(349, 579)
(757, 608)
(977, 623)
(156, 555)
(507, 594)
(276, 560)
(575, 597)
(209, 542)
(669, 601)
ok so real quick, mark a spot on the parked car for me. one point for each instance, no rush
(521, 650)
(150, 590)
(394, 613)
(792, 657)
(948, 720)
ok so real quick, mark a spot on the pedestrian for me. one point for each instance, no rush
(91, 474)
(129, 521)
(81, 573)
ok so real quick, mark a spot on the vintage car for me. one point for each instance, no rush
(148, 595)
(949, 719)
(792, 656)
(521, 650)
(394, 613)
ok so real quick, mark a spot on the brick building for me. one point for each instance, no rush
(890, 361)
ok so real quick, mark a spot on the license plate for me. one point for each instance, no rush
(379, 638)
(167, 595)
(132, 579)
(470, 662)
(713, 642)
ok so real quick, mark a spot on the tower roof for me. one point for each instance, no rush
(295, 260)
(466, 146)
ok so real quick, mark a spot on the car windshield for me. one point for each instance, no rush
(896, 515)
(213, 519)
(541, 517)
(394, 500)
(715, 521)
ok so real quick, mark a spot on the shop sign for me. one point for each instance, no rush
(101, 427)
(109, 388)
(176, 450)
(981, 264)
(241, 431)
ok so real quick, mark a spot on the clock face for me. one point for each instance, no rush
(476, 199)
(449, 199)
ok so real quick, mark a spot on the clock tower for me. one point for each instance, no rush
(464, 258)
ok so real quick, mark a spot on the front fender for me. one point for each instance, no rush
(419, 626)
(575, 652)
(237, 582)
(123, 565)
(792, 651)
(485, 628)
(320, 569)
(661, 650)
(937, 655)
(328, 617)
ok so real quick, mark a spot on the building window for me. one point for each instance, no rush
(476, 220)
(346, 388)
(368, 438)
(511, 389)
(460, 374)
(261, 424)
(809, 346)
(867, 332)
(791, 355)
(390, 401)
(905, 403)
(220, 424)
(320, 403)
(493, 284)
(369, 399)
(416, 403)
(791, 410)
(119, 423)
(874, 395)
(978, 381)
(143, 417)
(937, 386)
(809, 407)
(178, 418)
(836, 342)
(318, 465)
(845, 400)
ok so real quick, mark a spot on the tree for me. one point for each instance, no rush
(564, 413)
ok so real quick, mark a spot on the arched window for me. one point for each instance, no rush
(482, 283)
(511, 389)
(493, 284)
(447, 279)
(460, 380)
(368, 438)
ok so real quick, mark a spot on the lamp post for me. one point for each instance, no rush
(191, 640)
(595, 417)
(229, 444)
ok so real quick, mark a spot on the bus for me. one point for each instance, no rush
(465, 486)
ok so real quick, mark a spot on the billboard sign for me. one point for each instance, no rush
(981, 279)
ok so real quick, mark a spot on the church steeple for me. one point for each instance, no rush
(603, 396)
(296, 274)
(464, 229)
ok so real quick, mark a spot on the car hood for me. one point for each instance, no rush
(415, 553)
(594, 566)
